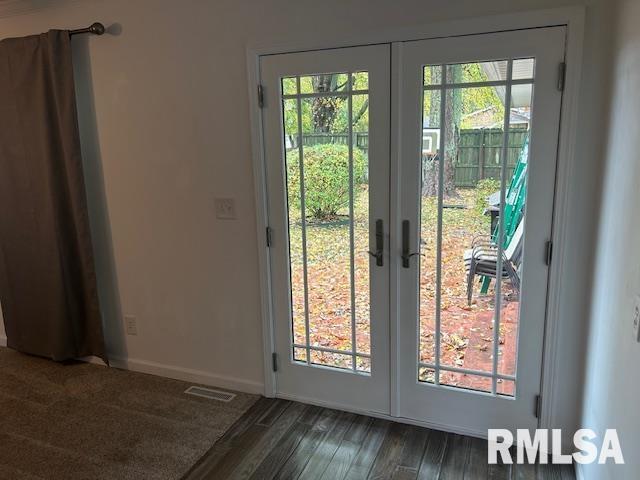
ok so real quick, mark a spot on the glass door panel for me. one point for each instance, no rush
(325, 128)
(461, 297)
(462, 345)
(328, 173)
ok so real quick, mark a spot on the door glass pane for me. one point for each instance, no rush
(360, 81)
(289, 86)
(474, 190)
(326, 130)
(523, 68)
(432, 75)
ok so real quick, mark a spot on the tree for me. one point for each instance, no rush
(329, 114)
(452, 117)
(458, 103)
(450, 129)
(324, 109)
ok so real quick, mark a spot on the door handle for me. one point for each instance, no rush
(406, 255)
(379, 253)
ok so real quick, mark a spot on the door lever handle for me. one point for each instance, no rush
(406, 255)
(379, 253)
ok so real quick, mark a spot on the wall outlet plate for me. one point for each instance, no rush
(636, 318)
(131, 324)
(225, 208)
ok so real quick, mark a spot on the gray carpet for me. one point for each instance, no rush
(83, 421)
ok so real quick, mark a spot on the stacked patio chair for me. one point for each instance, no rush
(482, 260)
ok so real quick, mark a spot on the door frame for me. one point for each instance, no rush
(574, 20)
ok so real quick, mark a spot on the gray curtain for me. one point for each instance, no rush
(48, 285)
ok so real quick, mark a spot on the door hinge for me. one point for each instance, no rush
(269, 237)
(562, 73)
(548, 252)
(260, 96)
(537, 408)
(274, 361)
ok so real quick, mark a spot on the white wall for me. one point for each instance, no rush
(613, 387)
(164, 113)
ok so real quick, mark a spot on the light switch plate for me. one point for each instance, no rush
(225, 208)
(636, 319)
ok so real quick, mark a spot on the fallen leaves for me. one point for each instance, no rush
(466, 330)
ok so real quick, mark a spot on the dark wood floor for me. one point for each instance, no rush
(278, 439)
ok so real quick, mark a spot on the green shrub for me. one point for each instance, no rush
(484, 188)
(326, 179)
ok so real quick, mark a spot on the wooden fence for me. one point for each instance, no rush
(360, 140)
(479, 151)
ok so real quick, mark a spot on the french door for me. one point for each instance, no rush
(326, 129)
(472, 304)
(411, 281)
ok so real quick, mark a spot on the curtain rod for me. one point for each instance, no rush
(95, 28)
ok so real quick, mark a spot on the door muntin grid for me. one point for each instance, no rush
(325, 139)
(474, 95)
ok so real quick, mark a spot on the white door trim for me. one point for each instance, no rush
(574, 19)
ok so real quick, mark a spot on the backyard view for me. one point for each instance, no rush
(326, 126)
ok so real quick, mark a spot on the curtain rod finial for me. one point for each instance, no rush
(97, 28)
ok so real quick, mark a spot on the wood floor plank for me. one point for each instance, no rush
(265, 441)
(298, 460)
(272, 414)
(281, 452)
(278, 439)
(414, 447)
(567, 472)
(358, 429)
(390, 452)
(500, 471)
(549, 472)
(404, 473)
(543, 472)
(366, 456)
(327, 448)
(347, 450)
(455, 458)
(435, 449)
(247, 447)
(476, 465)
(208, 462)
(524, 472)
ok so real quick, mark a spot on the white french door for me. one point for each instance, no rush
(470, 352)
(445, 327)
(328, 208)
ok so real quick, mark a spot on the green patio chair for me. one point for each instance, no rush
(515, 200)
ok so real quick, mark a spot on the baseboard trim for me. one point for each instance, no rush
(177, 373)
(408, 421)
(185, 374)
